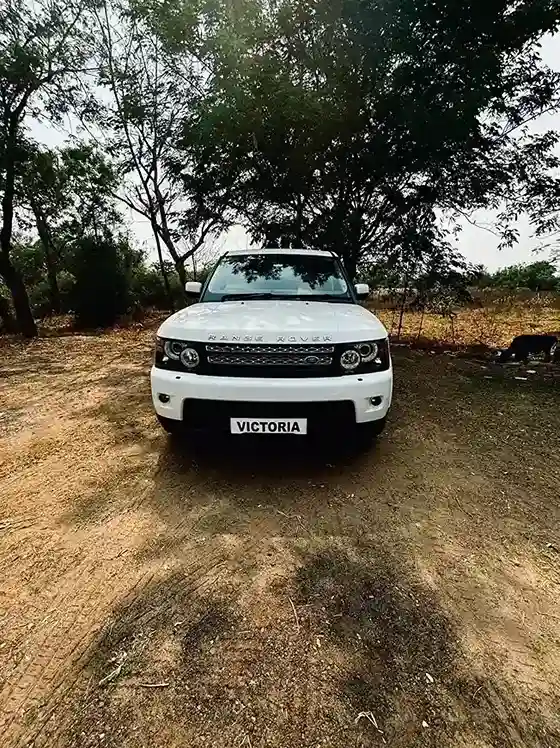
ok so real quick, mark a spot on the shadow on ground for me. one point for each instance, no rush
(455, 443)
(404, 664)
(366, 657)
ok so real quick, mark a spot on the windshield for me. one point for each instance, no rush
(285, 276)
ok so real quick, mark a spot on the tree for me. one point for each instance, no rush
(69, 192)
(44, 46)
(152, 91)
(102, 268)
(538, 276)
(350, 124)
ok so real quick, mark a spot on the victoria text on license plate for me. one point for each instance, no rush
(268, 425)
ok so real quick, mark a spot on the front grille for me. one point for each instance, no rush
(272, 349)
(322, 417)
(270, 360)
(232, 359)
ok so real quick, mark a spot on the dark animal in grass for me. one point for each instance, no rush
(524, 346)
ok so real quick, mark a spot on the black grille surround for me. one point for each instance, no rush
(214, 415)
(263, 360)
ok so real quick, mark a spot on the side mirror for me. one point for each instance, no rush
(193, 289)
(362, 291)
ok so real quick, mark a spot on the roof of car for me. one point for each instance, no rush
(279, 251)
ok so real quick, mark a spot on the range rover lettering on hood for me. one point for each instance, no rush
(267, 322)
(279, 339)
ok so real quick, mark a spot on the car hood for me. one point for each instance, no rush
(269, 321)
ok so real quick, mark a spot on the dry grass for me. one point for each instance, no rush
(491, 326)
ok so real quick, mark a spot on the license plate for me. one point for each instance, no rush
(268, 425)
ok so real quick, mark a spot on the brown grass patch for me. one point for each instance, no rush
(494, 327)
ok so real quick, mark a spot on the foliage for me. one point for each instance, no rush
(365, 127)
(346, 125)
(143, 283)
(537, 276)
(45, 47)
(101, 289)
(72, 188)
(151, 96)
(68, 193)
(148, 290)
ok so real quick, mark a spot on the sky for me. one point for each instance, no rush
(478, 244)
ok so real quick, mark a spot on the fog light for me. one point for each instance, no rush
(163, 398)
(376, 400)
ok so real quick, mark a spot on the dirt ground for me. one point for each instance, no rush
(268, 594)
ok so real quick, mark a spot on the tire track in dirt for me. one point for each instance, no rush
(67, 649)
(53, 649)
(81, 664)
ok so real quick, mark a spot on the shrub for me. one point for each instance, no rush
(102, 287)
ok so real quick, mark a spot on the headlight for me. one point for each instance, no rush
(367, 351)
(365, 357)
(176, 355)
(173, 349)
(350, 359)
(189, 358)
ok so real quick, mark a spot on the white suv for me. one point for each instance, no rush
(278, 345)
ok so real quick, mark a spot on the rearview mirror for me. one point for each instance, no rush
(362, 291)
(193, 289)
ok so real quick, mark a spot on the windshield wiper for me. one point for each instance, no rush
(322, 297)
(285, 296)
(242, 296)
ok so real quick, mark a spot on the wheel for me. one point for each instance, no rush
(373, 428)
(366, 433)
(175, 428)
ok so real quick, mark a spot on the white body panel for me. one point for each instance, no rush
(358, 388)
(270, 321)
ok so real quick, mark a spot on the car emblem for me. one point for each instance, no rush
(311, 360)
(279, 339)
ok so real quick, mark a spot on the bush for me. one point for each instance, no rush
(536, 276)
(40, 298)
(102, 287)
(148, 288)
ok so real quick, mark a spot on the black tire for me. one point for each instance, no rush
(374, 428)
(367, 433)
(175, 428)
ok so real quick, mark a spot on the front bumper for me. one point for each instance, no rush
(305, 395)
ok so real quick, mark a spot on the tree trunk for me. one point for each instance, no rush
(50, 261)
(351, 265)
(6, 316)
(401, 312)
(162, 268)
(299, 221)
(26, 323)
(421, 324)
(165, 236)
(180, 266)
(13, 279)
(178, 261)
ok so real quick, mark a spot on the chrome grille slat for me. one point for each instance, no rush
(228, 354)
(282, 349)
(232, 359)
